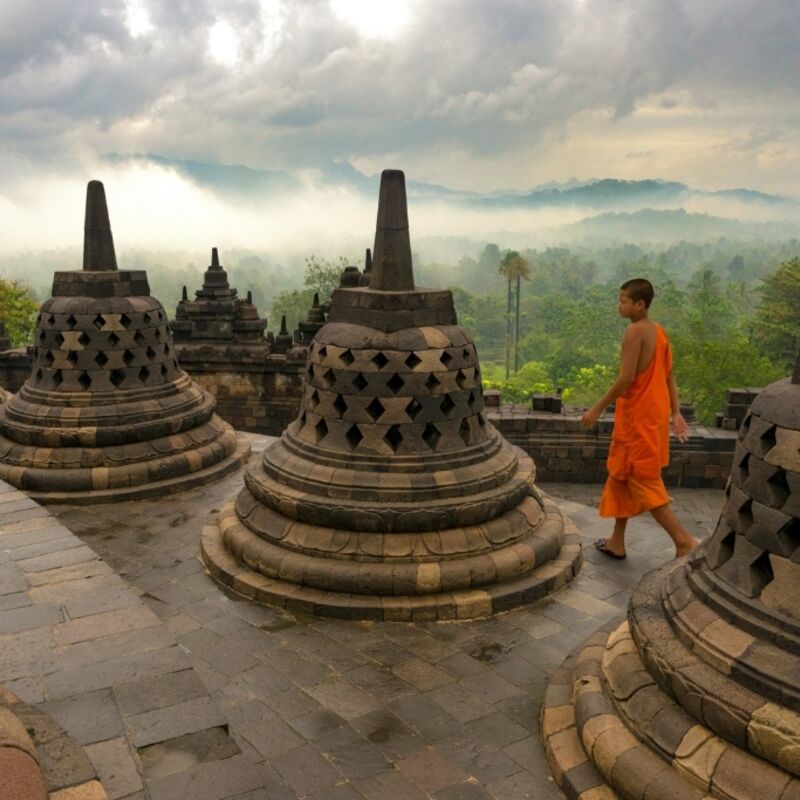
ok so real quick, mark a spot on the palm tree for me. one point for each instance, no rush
(514, 268)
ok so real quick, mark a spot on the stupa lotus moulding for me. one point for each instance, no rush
(107, 412)
(391, 496)
(697, 694)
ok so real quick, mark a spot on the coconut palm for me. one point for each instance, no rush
(514, 268)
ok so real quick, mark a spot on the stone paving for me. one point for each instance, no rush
(315, 708)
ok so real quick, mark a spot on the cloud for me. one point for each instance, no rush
(487, 89)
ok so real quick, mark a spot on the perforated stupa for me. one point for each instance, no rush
(391, 496)
(107, 412)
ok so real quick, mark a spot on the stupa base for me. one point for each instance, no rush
(612, 726)
(483, 601)
(180, 483)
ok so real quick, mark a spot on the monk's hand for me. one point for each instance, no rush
(680, 428)
(590, 417)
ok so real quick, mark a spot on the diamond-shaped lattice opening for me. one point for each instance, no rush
(768, 440)
(51, 320)
(83, 339)
(466, 353)
(778, 487)
(360, 382)
(465, 432)
(393, 437)
(745, 425)
(166, 348)
(447, 405)
(310, 370)
(175, 363)
(472, 399)
(761, 574)
(146, 319)
(101, 359)
(159, 315)
(138, 338)
(313, 400)
(302, 418)
(72, 357)
(789, 534)
(431, 435)
(445, 358)
(157, 334)
(113, 339)
(85, 381)
(128, 358)
(744, 467)
(461, 378)
(71, 321)
(327, 378)
(720, 548)
(39, 374)
(477, 372)
(433, 382)
(42, 336)
(395, 383)
(380, 360)
(164, 370)
(57, 378)
(48, 358)
(347, 358)
(320, 431)
(481, 420)
(322, 352)
(151, 354)
(116, 377)
(745, 516)
(125, 320)
(375, 409)
(413, 408)
(353, 436)
(413, 361)
(99, 321)
(144, 374)
(340, 405)
(59, 339)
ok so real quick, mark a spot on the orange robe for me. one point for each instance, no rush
(640, 440)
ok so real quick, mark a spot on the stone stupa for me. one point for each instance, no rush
(391, 496)
(217, 313)
(107, 412)
(697, 694)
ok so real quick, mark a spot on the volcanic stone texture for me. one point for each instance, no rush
(107, 412)
(391, 496)
(696, 694)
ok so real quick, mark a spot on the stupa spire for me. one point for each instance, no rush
(214, 258)
(392, 269)
(98, 243)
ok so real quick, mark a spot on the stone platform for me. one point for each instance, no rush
(315, 708)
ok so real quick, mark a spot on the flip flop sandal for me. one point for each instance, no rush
(602, 546)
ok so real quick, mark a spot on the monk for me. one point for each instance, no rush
(646, 395)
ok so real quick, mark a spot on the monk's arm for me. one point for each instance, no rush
(679, 426)
(631, 349)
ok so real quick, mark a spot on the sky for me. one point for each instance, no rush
(472, 94)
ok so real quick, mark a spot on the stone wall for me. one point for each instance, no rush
(261, 394)
(564, 451)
